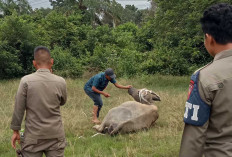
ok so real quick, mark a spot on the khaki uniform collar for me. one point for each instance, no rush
(43, 70)
(223, 54)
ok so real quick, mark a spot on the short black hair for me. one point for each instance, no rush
(217, 21)
(41, 48)
(42, 55)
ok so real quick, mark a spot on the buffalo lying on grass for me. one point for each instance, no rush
(132, 115)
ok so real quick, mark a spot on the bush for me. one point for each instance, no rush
(65, 64)
(9, 64)
(166, 62)
(125, 62)
(129, 63)
(168, 41)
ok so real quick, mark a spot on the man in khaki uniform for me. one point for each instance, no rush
(208, 111)
(40, 94)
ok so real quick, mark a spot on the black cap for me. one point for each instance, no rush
(109, 72)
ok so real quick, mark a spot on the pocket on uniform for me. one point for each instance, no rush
(28, 144)
(61, 143)
(215, 87)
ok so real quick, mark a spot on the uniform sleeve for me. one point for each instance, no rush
(193, 138)
(20, 106)
(113, 81)
(96, 81)
(64, 94)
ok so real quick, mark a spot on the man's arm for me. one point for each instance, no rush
(19, 109)
(122, 87)
(96, 82)
(193, 140)
(100, 92)
(64, 94)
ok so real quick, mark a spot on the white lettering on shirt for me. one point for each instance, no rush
(195, 112)
(189, 106)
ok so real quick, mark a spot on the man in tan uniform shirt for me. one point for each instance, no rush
(208, 113)
(40, 94)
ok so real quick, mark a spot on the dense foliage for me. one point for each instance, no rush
(91, 35)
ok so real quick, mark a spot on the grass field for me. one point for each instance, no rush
(162, 140)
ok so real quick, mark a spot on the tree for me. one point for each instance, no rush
(176, 31)
(7, 7)
(20, 37)
(132, 14)
(9, 63)
(65, 5)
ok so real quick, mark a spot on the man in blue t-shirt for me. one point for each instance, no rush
(95, 86)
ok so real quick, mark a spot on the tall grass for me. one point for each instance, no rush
(162, 140)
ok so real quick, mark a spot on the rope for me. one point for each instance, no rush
(142, 94)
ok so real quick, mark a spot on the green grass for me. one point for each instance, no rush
(162, 140)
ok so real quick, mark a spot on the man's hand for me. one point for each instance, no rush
(106, 95)
(15, 137)
(129, 86)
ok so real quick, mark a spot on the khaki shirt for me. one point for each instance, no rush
(40, 94)
(214, 139)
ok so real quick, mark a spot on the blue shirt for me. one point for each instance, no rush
(99, 81)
